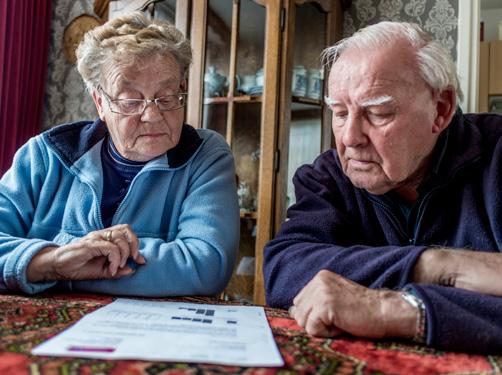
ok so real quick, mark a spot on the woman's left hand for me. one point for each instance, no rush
(100, 254)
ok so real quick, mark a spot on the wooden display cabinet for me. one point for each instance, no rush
(240, 85)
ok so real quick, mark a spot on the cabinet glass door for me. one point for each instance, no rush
(305, 129)
(306, 90)
(216, 66)
(232, 96)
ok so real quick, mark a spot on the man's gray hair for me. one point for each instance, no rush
(436, 67)
(126, 39)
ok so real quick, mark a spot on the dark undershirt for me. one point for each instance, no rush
(118, 172)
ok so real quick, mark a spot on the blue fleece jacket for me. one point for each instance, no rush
(364, 237)
(181, 205)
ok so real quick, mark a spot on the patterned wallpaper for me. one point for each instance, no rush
(65, 96)
(67, 100)
(437, 17)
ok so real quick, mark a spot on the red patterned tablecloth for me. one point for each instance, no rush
(27, 321)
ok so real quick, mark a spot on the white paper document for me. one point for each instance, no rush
(170, 331)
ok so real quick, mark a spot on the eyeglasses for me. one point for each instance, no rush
(130, 107)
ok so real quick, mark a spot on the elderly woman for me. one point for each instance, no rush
(134, 203)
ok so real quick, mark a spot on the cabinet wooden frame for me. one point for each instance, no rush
(269, 110)
(484, 76)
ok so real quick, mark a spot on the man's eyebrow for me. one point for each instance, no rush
(330, 102)
(384, 99)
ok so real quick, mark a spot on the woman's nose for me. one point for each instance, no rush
(151, 112)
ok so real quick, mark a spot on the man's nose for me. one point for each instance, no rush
(354, 134)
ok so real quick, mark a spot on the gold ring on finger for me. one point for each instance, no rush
(109, 235)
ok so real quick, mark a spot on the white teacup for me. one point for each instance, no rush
(299, 81)
(259, 77)
(314, 84)
(247, 83)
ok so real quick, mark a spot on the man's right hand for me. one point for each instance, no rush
(100, 254)
(477, 271)
(331, 304)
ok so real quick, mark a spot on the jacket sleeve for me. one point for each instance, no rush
(323, 231)
(200, 260)
(19, 197)
(461, 320)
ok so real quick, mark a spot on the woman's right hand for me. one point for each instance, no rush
(101, 254)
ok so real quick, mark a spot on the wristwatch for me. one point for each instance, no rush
(417, 303)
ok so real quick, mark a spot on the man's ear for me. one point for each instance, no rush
(446, 103)
(98, 102)
(183, 85)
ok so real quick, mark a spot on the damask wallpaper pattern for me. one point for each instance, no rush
(66, 98)
(438, 17)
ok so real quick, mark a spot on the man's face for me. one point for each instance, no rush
(145, 136)
(383, 118)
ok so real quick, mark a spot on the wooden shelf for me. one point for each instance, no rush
(248, 214)
(305, 100)
(235, 99)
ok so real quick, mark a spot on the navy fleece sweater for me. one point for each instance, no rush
(365, 237)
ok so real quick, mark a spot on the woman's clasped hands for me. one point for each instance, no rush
(100, 254)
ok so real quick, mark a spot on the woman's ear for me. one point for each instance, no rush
(445, 109)
(98, 102)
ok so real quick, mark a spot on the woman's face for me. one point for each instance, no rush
(143, 136)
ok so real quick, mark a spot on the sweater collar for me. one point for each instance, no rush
(72, 141)
(459, 146)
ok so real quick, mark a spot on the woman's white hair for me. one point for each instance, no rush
(435, 65)
(127, 39)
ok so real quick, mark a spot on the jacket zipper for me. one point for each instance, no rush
(121, 205)
(426, 198)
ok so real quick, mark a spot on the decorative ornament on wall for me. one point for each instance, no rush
(74, 33)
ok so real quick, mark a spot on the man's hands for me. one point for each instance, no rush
(100, 254)
(478, 271)
(330, 304)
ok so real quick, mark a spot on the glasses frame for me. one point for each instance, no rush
(182, 96)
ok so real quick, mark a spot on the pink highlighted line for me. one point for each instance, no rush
(90, 349)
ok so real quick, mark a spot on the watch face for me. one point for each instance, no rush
(75, 32)
(411, 299)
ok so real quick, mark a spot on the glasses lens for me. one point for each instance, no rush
(137, 106)
(129, 106)
(171, 102)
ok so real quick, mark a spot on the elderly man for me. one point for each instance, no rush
(397, 232)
